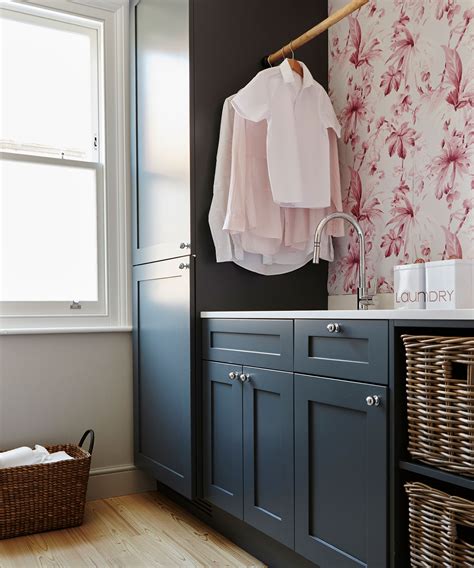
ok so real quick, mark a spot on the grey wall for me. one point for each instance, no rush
(53, 387)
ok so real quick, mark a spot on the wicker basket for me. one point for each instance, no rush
(45, 497)
(437, 522)
(440, 401)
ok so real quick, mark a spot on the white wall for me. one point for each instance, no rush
(53, 387)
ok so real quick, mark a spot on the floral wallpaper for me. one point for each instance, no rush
(402, 84)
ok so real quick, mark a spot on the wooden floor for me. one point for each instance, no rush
(133, 531)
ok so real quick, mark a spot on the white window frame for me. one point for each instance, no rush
(112, 195)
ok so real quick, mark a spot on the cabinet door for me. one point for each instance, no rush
(340, 473)
(223, 481)
(268, 453)
(160, 130)
(162, 372)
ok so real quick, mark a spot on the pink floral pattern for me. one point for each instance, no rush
(401, 81)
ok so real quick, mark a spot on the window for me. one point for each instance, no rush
(63, 261)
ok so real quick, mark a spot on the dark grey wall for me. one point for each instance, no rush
(230, 38)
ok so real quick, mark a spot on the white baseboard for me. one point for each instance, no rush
(118, 480)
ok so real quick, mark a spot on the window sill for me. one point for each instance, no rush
(58, 330)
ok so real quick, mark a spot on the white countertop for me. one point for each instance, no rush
(348, 314)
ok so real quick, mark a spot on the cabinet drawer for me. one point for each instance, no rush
(260, 343)
(358, 350)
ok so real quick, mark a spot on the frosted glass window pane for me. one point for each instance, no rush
(48, 95)
(48, 233)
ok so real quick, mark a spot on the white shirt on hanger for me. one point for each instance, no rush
(299, 113)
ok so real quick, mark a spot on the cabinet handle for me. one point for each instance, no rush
(244, 378)
(185, 246)
(182, 266)
(373, 400)
(333, 328)
(233, 375)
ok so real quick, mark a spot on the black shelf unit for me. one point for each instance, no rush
(438, 474)
(402, 467)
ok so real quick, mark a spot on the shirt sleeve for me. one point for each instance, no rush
(217, 212)
(252, 102)
(235, 219)
(327, 113)
(336, 226)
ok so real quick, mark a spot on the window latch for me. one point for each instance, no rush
(75, 306)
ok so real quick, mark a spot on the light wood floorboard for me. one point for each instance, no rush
(145, 530)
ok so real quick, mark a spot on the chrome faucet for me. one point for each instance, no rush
(364, 298)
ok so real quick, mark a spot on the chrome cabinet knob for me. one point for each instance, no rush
(185, 246)
(233, 376)
(333, 327)
(182, 266)
(244, 378)
(373, 400)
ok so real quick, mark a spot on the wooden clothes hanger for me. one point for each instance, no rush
(294, 64)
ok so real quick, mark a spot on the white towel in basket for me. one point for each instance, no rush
(27, 456)
(57, 457)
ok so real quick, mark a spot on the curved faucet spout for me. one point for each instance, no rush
(364, 299)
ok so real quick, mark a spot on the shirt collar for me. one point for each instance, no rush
(288, 75)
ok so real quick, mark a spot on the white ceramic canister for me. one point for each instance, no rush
(409, 286)
(450, 284)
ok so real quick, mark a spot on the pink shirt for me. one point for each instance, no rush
(299, 113)
(263, 226)
(228, 246)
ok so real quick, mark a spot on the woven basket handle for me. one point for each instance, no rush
(464, 532)
(91, 441)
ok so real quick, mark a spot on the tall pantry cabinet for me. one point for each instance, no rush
(187, 57)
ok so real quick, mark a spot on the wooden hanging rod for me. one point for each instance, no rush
(318, 29)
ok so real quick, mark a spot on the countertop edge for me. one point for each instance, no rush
(424, 315)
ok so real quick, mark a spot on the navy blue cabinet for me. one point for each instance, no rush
(261, 343)
(223, 460)
(347, 349)
(268, 452)
(248, 446)
(340, 472)
(300, 457)
(162, 375)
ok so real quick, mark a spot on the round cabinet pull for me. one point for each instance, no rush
(185, 246)
(182, 266)
(373, 400)
(233, 376)
(333, 327)
(245, 378)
